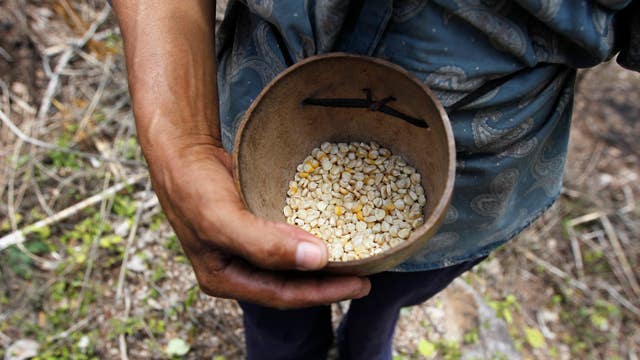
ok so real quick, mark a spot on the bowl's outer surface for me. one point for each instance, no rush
(278, 132)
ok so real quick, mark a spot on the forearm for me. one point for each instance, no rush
(169, 48)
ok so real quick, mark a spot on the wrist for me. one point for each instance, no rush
(167, 143)
(172, 158)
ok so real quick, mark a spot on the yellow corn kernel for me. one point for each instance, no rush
(315, 163)
(357, 208)
(359, 215)
(304, 175)
(294, 189)
(308, 167)
(339, 210)
(389, 207)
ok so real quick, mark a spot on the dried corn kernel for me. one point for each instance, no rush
(358, 197)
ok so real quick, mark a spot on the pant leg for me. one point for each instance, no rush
(366, 331)
(287, 334)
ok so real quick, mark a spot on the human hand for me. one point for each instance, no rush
(172, 78)
(234, 253)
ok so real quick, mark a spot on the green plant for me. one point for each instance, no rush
(64, 159)
(124, 206)
(534, 337)
(504, 308)
(441, 349)
(471, 336)
(19, 262)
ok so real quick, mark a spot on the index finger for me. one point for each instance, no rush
(241, 281)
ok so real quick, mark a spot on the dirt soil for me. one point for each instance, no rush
(109, 279)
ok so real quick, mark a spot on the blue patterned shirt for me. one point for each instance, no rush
(511, 142)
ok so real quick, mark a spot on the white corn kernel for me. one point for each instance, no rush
(321, 205)
(358, 197)
(326, 165)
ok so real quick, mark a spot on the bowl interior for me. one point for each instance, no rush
(278, 132)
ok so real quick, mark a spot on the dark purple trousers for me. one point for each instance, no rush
(366, 331)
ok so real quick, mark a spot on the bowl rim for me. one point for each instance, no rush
(440, 209)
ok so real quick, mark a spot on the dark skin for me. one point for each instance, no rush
(169, 48)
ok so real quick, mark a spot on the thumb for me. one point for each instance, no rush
(208, 198)
(271, 245)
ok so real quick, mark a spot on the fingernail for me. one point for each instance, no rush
(308, 256)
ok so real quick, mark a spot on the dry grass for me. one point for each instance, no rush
(107, 278)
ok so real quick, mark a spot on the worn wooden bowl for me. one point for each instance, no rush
(322, 99)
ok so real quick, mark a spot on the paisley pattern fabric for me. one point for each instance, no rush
(511, 142)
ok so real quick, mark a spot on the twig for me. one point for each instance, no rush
(23, 104)
(555, 271)
(75, 327)
(577, 253)
(615, 244)
(571, 193)
(58, 190)
(575, 246)
(584, 218)
(96, 97)
(79, 24)
(631, 201)
(40, 197)
(122, 341)
(6, 95)
(28, 139)
(18, 236)
(42, 262)
(595, 158)
(106, 149)
(579, 284)
(617, 248)
(11, 203)
(132, 234)
(543, 326)
(602, 246)
(105, 206)
(592, 235)
(64, 60)
(5, 54)
(53, 84)
(88, 58)
(618, 297)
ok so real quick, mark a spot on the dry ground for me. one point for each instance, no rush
(107, 279)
